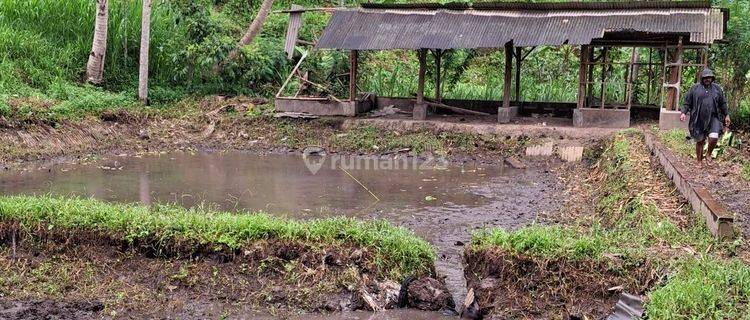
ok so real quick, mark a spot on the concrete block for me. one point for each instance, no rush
(420, 111)
(669, 120)
(504, 115)
(323, 107)
(601, 118)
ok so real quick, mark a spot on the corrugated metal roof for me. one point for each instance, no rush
(382, 29)
(518, 5)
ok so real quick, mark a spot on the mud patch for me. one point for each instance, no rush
(514, 286)
(49, 309)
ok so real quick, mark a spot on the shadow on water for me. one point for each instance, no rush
(442, 203)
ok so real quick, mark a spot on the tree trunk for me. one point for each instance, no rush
(251, 32)
(145, 40)
(95, 65)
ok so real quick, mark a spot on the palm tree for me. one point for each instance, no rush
(95, 65)
(252, 31)
(145, 39)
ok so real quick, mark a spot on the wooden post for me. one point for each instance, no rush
(590, 76)
(422, 66)
(507, 75)
(675, 78)
(353, 65)
(650, 76)
(519, 59)
(632, 69)
(605, 50)
(420, 109)
(582, 72)
(438, 61)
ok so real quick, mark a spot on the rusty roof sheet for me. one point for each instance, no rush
(382, 29)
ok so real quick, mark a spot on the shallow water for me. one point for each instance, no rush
(440, 202)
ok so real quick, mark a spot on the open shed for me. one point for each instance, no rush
(663, 38)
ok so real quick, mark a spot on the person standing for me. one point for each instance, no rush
(707, 106)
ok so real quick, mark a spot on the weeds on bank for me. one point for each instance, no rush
(703, 288)
(677, 141)
(398, 252)
(632, 224)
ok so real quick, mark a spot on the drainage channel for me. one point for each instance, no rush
(444, 203)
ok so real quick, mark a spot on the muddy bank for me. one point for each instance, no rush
(94, 278)
(75, 141)
(443, 205)
(515, 286)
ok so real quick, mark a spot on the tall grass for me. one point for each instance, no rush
(46, 40)
(703, 288)
(398, 252)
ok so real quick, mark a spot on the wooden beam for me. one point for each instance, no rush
(518, 73)
(438, 62)
(604, 77)
(507, 75)
(422, 55)
(353, 66)
(582, 73)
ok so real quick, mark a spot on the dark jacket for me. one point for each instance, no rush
(704, 104)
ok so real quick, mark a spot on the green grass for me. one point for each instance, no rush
(676, 140)
(398, 252)
(745, 171)
(703, 288)
(544, 241)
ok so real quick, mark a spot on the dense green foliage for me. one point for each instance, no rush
(44, 46)
(398, 252)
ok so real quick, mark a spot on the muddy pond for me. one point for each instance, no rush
(442, 202)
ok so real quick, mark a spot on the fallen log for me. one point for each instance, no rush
(456, 109)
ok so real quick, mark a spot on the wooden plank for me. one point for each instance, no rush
(292, 30)
(422, 55)
(456, 109)
(507, 74)
(291, 74)
(353, 66)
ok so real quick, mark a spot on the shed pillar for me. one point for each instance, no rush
(675, 78)
(519, 59)
(438, 61)
(420, 109)
(505, 112)
(353, 66)
(582, 76)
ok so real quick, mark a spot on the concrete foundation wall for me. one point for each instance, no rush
(669, 120)
(558, 109)
(323, 107)
(718, 219)
(601, 118)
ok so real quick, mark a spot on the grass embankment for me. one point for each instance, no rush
(168, 230)
(637, 221)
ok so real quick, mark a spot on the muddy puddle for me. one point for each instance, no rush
(441, 202)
